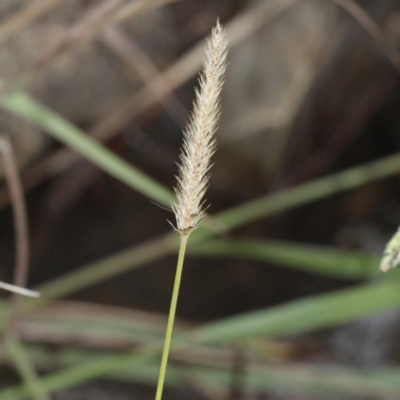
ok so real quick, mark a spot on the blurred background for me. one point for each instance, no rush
(312, 89)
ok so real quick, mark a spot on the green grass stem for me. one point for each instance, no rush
(171, 317)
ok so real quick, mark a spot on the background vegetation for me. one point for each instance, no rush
(281, 296)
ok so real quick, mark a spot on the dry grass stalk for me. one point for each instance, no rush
(199, 139)
(21, 269)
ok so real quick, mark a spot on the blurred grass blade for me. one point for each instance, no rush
(95, 272)
(85, 372)
(310, 191)
(310, 380)
(58, 127)
(139, 255)
(305, 315)
(315, 259)
(300, 377)
(105, 268)
(26, 370)
(25, 106)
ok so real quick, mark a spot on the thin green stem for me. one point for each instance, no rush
(171, 318)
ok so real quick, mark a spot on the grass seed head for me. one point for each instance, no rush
(199, 137)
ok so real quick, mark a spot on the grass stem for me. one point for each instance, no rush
(171, 317)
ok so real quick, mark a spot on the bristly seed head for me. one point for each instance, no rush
(391, 255)
(199, 140)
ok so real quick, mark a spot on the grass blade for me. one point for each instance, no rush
(314, 259)
(59, 128)
(305, 315)
(26, 370)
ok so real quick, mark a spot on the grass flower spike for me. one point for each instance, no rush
(391, 255)
(199, 140)
(198, 147)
